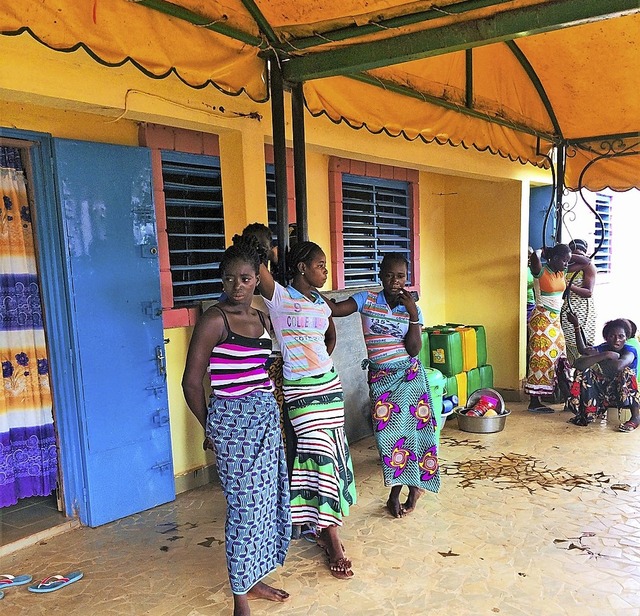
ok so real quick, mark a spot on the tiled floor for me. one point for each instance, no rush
(540, 519)
(28, 517)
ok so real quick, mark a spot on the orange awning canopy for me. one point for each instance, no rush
(512, 77)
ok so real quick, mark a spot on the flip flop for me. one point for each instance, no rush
(541, 410)
(55, 582)
(7, 581)
(309, 534)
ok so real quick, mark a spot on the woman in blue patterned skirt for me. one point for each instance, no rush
(231, 340)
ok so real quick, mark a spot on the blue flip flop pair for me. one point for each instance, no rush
(7, 581)
(55, 582)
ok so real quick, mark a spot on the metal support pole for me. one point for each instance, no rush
(299, 163)
(276, 85)
(468, 97)
(560, 166)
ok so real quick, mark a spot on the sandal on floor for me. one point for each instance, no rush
(6, 581)
(55, 582)
(628, 426)
(340, 568)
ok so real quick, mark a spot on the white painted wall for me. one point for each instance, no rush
(616, 294)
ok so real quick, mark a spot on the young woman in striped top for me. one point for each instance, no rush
(231, 341)
(404, 421)
(322, 481)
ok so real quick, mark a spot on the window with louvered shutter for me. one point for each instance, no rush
(602, 259)
(376, 220)
(195, 225)
(271, 199)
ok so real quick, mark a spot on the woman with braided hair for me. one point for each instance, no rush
(231, 341)
(322, 482)
(579, 301)
(546, 345)
(405, 422)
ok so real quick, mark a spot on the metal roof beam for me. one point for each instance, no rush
(439, 102)
(502, 26)
(537, 84)
(173, 10)
(401, 21)
(263, 25)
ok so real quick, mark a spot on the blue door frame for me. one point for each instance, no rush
(54, 293)
(94, 487)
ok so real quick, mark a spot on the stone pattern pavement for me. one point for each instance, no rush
(540, 519)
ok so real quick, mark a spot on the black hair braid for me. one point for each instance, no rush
(251, 244)
(302, 252)
(557, 251)
(392, 258)
(240, 250)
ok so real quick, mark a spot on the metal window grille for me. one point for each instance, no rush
(375, 215)
(602, 259)
(271, 199)
(195, 225)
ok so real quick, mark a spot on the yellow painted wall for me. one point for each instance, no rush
(433, 298)
(471, 221)
(483, 274)
(186, 433)
(318, 203)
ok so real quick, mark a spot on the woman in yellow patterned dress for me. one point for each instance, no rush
(546, 338)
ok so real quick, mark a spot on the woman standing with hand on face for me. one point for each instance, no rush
(231, 340)
(322, 482)
(405, 424)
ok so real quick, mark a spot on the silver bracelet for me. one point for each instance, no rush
(414, 322)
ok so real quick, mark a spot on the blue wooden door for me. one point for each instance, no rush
(112, 267)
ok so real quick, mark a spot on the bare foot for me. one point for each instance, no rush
(412, 500)
(395, 508)
(264, 591)
(339, 564)
(393, 504)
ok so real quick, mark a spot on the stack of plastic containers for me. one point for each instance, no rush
(460, 352)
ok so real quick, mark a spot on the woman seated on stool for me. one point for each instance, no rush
(605, 376)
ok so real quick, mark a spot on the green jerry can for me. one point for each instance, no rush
(451, 388)
(473, 381)
(437, 382)
(446, 351)
(425, 352)
(486, 376)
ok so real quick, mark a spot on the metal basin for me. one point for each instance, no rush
(481, 425)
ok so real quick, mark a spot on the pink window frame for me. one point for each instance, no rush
(340, 166)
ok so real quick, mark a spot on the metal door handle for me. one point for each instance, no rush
(162, 466)
(161, 417)
(160, 360)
